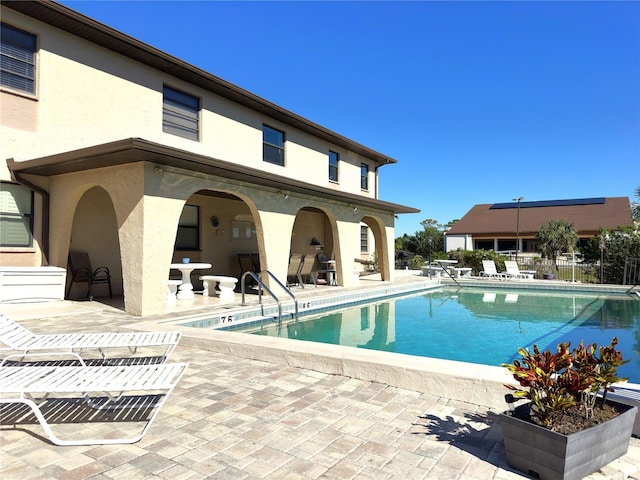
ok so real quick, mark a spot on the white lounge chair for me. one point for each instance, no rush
(513, 271)
(19, 341)
(142, 387)
(490, 271)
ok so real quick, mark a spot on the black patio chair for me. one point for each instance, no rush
(82, 272)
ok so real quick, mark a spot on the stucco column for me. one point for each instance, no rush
(386, 255)
(347, 251)
(146, 258)
(276, 239)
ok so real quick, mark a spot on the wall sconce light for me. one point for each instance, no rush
(284, 195)
(316, 243)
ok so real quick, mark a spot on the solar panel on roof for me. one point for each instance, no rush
(550, 203)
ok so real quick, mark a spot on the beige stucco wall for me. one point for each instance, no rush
(88, 95)
(126, 216)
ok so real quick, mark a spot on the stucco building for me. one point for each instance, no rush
(116, 148)
(513, 225)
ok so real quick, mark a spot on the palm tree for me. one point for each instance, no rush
(555, 237)
(635, 206)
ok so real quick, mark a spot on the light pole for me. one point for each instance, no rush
(429, 239)
(519, 199)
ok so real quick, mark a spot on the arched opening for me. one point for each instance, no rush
(313, 238)
(217, 228)
(95, 231)
(374, 251)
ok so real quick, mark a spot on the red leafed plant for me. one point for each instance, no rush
(555, 382)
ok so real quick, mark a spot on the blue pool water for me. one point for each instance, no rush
(476, 326)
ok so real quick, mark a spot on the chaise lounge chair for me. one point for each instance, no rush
(490, 271)
(141, 389)
(21, 342)
(513, 271)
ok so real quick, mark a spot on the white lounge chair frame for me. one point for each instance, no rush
(21, 342)
(31, 385)
(490, 271)
(513, 271)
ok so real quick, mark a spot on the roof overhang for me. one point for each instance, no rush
(69, 20)
(134, 150)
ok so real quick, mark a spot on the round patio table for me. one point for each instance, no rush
(185, 289)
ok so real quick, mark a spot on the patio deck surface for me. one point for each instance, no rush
(234, 418)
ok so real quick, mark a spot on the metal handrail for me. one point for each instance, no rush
(286, 289)
(262, 285)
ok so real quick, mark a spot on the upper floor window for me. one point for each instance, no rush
(334, 158)
(18, 65)
(16, 213)
(188, 236)
(272, 145)
(364, 176)
(180, 113)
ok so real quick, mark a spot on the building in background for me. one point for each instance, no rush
(507, 227)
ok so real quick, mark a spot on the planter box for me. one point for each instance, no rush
(548, 455)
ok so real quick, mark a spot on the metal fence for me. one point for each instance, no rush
(568, 270)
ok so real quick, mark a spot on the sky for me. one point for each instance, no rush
(479, 102)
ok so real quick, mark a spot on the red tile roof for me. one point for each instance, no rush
(586, 215)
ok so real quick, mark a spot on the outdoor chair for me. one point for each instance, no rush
(82, 272)
(246, 262)
(490, 271)
(306, 270)
(17, 341)
(78, 394)
(513, 271)
(295, 266)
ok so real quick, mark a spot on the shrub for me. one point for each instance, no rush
(416, 262)
(473, 259)
(555, 382)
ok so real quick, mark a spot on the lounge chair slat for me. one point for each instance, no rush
(20, 340)
(29, 381)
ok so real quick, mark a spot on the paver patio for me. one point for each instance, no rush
(233, 418)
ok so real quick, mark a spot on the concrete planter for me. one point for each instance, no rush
(548, 455)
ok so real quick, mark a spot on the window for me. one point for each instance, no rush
(18, 65)
(333, 166)
(188, 236)
(180, 113)
(364, 239)
(272, 145)
(506, 244)
(483, 245)
(364, 176)
(16, 214)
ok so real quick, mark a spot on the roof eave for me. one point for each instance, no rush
(135, 150)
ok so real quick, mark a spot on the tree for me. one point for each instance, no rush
(555, 237)
(618, 246)
(635, 206)
(429, 240)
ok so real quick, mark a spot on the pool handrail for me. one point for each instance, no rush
(262, 285)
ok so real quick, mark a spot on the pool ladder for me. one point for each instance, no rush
(262, 285)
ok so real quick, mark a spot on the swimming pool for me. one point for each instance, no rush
(475, 325)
